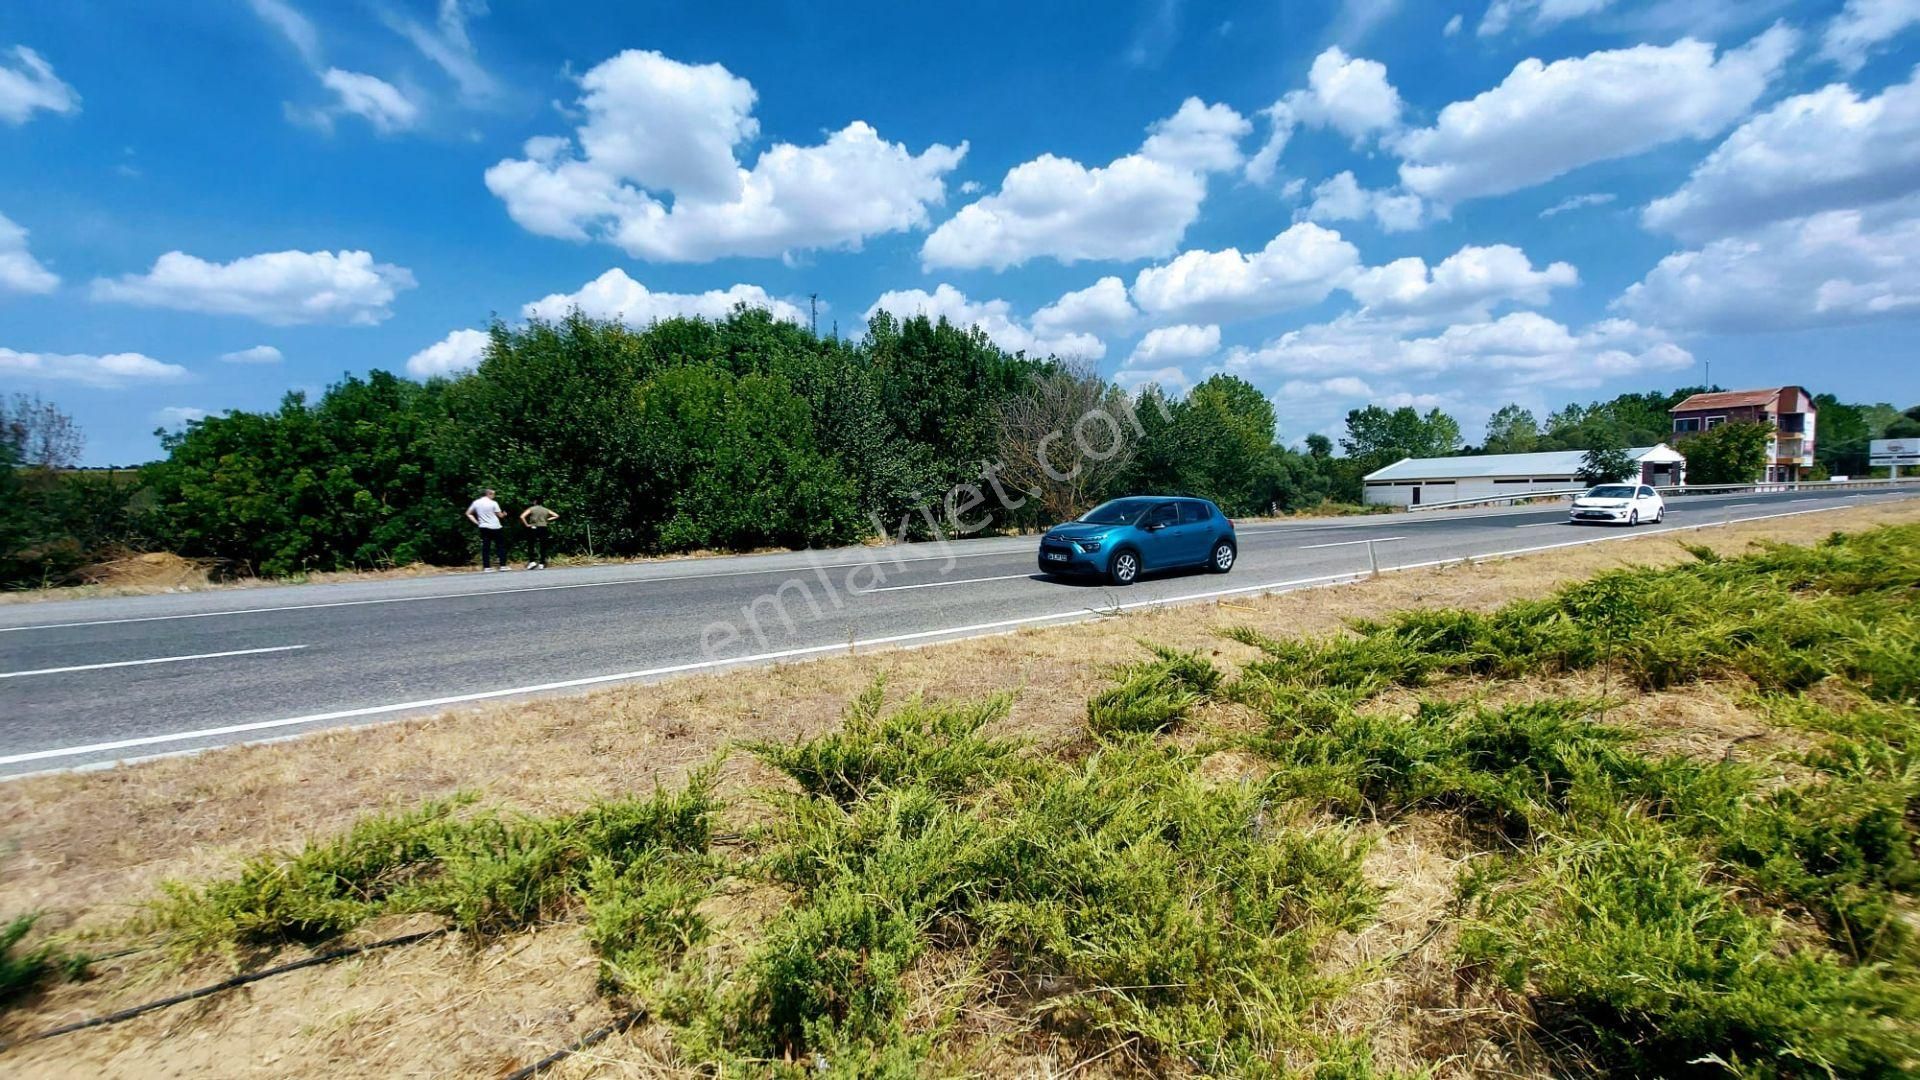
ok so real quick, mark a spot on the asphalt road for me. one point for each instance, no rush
(88, 682)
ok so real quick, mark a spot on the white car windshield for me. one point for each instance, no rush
(1611, 491)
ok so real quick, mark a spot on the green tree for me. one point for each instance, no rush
(15, 565)
(349, 481)
(1906, 427)
(1512, 430)
(731, 463)
(1730, 453)
(1229, 428)
(1845, 432)
(1627, 420)
(1377, 437)
(1605, 466)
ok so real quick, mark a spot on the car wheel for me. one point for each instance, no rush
(1124, 568)
(1223, 556)
(1660, 515)
(1633, 518)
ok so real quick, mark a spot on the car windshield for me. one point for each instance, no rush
(1116, 512)
(1611, 491)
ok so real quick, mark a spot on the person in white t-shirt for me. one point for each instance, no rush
(485, 514)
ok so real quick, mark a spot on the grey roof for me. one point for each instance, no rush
(1552, 463)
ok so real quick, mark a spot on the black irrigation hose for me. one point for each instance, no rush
(227, 984)
(528, 1072)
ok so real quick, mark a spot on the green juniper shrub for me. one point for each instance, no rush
(939, 745)
(1629, 947)
(643, 916)
(485, 871)
(26, 970)
(1137, 901)
(329, 886)
(1153, 695)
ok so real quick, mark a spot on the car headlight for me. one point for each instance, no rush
(1089, 543)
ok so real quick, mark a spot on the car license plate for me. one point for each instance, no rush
(1057, 556)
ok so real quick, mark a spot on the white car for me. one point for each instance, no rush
(1615, 503)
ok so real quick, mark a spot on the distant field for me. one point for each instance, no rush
(1610, 809)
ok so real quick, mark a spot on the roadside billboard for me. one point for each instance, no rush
(1894, 452)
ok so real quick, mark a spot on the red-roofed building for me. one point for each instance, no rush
(1789, 410)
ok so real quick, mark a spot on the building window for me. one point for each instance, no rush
(1793, 423)
(1686, 423)
(1715, 421)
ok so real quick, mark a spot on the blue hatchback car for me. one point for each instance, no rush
(1121, 539)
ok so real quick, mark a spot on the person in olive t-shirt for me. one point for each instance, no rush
(537, 518)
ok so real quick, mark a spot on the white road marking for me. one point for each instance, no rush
(1350, 543)
(1539, 524)
(155, 660)
(977, 629)
(1737, 506)
(939, 584)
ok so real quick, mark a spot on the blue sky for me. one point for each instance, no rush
(1455, 205)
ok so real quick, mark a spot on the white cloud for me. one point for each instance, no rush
(1862, 25)
(1578, 202)
(1538, 15)
(448, 45)
(1198, 138)
(379, 102)
(280, 288)
(1165, 345)
(614, 295)
(1520, 348)
(1452, 27)
(259, 354)
(1055, 207)
(1341, 198)
(295, 27)
(1297, 268)
(19, 270)
(388, 108)
(176, 415)
(1341, 386)
(457, 352)
(655, 126)
(1349, 94)
(28, 83)
(1465, 285)
(1137, 206)
(107, 372)
(1830, 268)
(1544, 120)
(1170, 378)
(1101, 308)
(993, 317)
(1825, 150)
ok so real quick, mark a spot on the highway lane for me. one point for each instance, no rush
(88, 682)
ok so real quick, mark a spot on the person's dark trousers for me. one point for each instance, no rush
(539, 543)
(493, 542)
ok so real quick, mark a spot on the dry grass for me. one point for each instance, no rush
(89, 847)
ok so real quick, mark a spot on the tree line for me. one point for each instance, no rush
(690, 434)
(729, 435)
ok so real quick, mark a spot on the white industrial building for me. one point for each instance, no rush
(1421, 481)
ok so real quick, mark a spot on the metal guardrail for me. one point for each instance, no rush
(1676, 491)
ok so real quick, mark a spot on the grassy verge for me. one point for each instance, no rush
(1178, 874)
